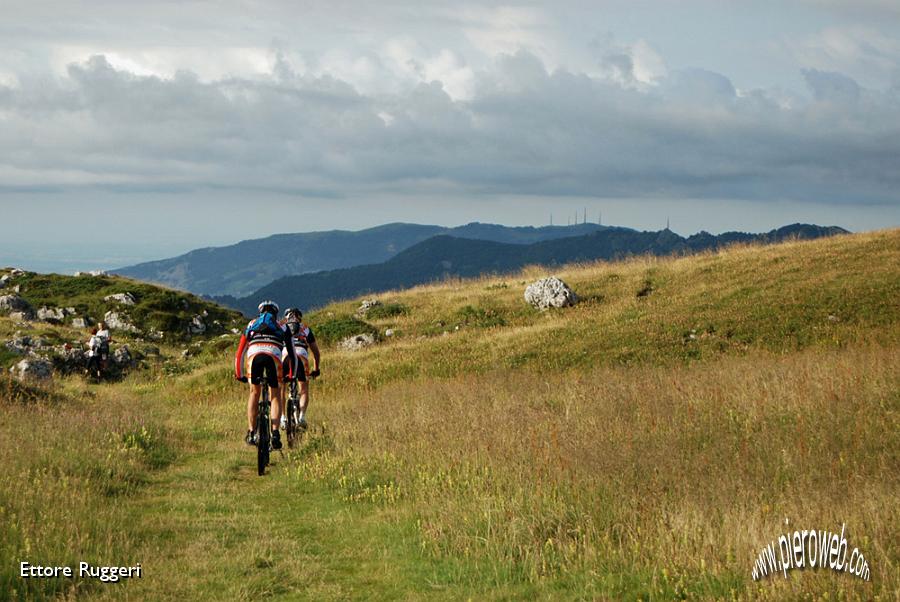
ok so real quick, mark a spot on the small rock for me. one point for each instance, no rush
(156, 335)
(122, 357)
(388, 332)
(357, 342)
(833, 318)
(20, 344)
(550, 292)
(366, 305)
(16, 272)
(15, 303)
(197, 326)
(51, 314)
(70, 311)
(20, 316)
(32, 369)
(123, 298)
(81, 322)
(117, 321)
(68, 359)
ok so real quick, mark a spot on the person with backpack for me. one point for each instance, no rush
(304, 342)
(261, 345)
(93, 354)
(105, 340)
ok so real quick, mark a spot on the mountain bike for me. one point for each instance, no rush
(294, 432)
(263, 430)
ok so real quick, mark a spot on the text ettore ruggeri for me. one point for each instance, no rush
(84, 570)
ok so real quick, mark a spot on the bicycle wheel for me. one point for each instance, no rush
(291, 416)
(263, 426)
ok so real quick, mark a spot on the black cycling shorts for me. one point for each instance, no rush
(264, 366)
(286, 369)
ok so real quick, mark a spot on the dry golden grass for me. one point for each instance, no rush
(629, 481)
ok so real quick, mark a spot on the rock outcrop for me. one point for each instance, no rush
(197, 325)
(81, 322)
(123, 298)
(51, 314)
(357, 342)
(32, 369)
(550, 292)
(366, 305)
(25, 344)
(15, 303)
(123, 358)
(117, 321)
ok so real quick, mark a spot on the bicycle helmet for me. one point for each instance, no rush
(268, 306)
(293, 313)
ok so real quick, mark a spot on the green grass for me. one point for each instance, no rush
(332, 330)
(156, 308)
(386, 310)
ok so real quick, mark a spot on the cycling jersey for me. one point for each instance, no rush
(304, 337)
(301, 340)
(264, 342)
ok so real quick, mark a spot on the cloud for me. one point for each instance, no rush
(484, 100)
(865, 53)
(828, 86)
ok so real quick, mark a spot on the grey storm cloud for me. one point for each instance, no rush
(524, 129)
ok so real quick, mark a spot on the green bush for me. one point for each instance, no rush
(335, 329)
(387, 310)
(480, 316)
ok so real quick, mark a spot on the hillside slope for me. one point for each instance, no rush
(243, 267)
(644, 444)
(58, 310)
(780, 298)
(444, 256)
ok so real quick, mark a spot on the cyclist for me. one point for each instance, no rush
(304, 342)
(262, 344)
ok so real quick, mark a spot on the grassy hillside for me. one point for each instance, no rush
(645, 444)
(155, 309)
(441, 257)
(783, 298)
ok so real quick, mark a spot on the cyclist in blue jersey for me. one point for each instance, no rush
(262, 345)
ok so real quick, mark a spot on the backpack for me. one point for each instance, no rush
(265, 325)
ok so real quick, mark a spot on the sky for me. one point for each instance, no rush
(132, 131)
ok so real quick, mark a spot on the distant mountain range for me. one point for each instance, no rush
(442, 256)
(246, 266)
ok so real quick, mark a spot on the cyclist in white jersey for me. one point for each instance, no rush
(304, 341)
